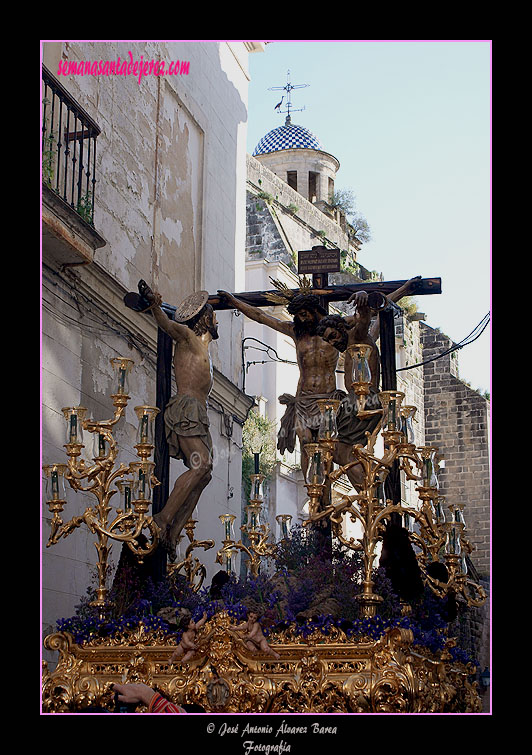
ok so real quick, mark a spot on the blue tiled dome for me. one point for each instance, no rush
(289, 136)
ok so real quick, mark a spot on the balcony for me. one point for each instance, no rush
(69, 137)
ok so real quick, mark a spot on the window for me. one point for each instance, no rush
(312, 186)
(291, 178)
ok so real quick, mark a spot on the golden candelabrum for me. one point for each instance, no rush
(439, 537)
(257, 531)
(103, 478)
(194, 571)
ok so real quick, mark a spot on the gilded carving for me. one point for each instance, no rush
(321, 673)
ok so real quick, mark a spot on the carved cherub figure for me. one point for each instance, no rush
(187, 647)
(254, 637)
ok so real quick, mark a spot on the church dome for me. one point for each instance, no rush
(289, 136)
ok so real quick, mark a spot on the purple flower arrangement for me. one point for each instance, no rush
(286, 597)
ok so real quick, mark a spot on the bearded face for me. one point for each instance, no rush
(336, 338)
(333, 330)
(212, 325)
(205, 322)
(306, 322)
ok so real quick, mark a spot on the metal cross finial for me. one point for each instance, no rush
(288, 89)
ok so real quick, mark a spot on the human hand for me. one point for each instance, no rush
(151, 295)
(413, 283)
(225, 296)
(359, 298)
(134, 693)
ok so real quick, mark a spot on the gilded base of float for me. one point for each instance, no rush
(318, 674)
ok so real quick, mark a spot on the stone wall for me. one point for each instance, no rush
(297, 229)
(456, 421)
(169, 202)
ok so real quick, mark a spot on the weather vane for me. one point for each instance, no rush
(288, 89)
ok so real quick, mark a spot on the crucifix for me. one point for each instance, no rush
(319, 262)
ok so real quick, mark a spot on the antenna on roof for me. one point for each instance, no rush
(288, 89)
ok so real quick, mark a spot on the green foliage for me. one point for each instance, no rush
(258, 433)
(408, 304)
(48, 154)
(345, 200)
(84, 207)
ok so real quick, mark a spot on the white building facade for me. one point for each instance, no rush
(166, 179)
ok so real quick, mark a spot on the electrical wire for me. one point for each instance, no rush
(483, 324)
(89, 321)
(475, 333)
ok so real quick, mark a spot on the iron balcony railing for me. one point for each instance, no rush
(68, 148)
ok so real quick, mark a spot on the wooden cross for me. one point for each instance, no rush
(327, 293)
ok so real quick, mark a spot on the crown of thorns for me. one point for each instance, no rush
(286, 294)
(295, 299)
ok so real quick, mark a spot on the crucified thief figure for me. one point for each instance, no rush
(185, 416)
(342, 332)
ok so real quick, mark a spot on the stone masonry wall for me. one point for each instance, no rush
(456, 421)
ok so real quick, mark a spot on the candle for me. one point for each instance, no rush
(142, 483)
(73, 428)
(55, 484)
(122, 374)
(316, 468)
(144, 428)
(127, 497)
(392, 420)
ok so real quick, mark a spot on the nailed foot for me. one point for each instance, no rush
(164, 538)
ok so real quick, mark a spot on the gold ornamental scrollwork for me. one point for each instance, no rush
(320, 673)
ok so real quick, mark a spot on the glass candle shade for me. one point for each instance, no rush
(316, 470)
(407, 423)
(428, 470)
(381, 494)
(122, 367)
(457, 513)
(284, 524)
(253, 517)
(227, 521)
(256, 487)
(408, 522)
(360, 354)
(439, 510)
(142, 472)
(391, 406)
(453, 545)
(146, 416)
(55, 481)
(74, 416)
(100, 446)
(228, 557)
(126, 492)
(328, 429)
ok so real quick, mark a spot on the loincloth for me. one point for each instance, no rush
(302, 413)
(186, 416)
(352, 429)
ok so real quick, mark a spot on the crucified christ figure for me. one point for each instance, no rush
(185, 416)
(317, 360)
